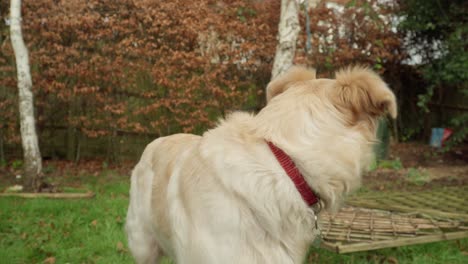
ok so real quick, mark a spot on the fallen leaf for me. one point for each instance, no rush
(120, 247)
(94, 222)
(392, 260)
(49, 260)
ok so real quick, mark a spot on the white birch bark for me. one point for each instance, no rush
(31, 153)
(288, 31)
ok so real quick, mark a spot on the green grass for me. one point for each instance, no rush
(417, 177)
(71, 231)
(91, 231)
(447, 252)
(386, 164)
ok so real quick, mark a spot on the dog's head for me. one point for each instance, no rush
(358, 93)
(331, 122)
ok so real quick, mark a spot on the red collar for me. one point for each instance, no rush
(296, 176)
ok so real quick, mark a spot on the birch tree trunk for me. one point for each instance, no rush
(288, 31)
(31, 154)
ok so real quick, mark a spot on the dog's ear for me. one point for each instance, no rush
(285, 80)
(364, 92)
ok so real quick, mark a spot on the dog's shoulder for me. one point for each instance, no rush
(169, 145)
(231, 138)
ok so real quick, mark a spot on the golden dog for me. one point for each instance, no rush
(224, 197)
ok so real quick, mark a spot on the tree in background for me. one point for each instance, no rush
(125, 71)
(437, 31)
(31, 153)
(288, 31)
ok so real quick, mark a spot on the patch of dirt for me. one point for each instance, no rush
(424, 167)
(57, 172)
(414, 154)
(416, 178)
(443, 172)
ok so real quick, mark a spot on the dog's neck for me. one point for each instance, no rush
(327, 155)
(332, 173)
(296, 176)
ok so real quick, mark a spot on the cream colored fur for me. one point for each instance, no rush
(224, 198)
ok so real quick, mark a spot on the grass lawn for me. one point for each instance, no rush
(91, 231)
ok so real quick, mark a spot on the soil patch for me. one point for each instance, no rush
(422, 167)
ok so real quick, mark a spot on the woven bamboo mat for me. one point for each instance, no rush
(397, 219)
(358, 229)
(449, 202)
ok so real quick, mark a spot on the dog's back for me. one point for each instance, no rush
(149, 185)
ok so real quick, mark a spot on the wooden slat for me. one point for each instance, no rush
(445, 203)
(50, 195)
(403, 208)
(342, 248)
